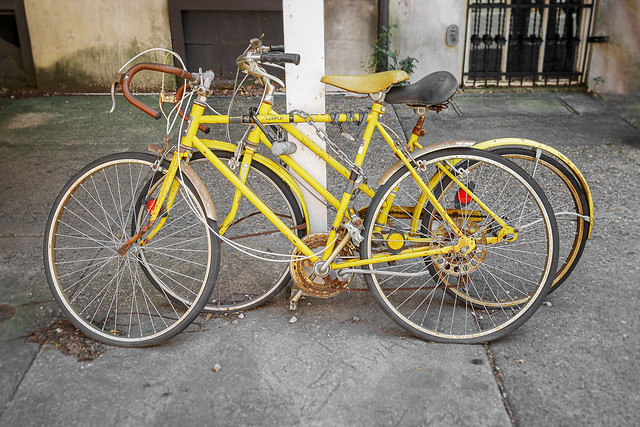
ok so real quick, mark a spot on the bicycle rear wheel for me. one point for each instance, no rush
(106, 295)
(567, 199)
(503, 280)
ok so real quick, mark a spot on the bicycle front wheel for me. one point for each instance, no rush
(503, 279)
(107, 295)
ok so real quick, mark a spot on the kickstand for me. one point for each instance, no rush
(295, 297)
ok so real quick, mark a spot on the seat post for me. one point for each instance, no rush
(417, 129)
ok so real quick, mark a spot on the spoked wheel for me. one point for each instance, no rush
(567, 198)
(484, 291)
(245, 281)
(569, 203)
(107, 295)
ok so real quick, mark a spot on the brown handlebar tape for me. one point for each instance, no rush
(126, 78)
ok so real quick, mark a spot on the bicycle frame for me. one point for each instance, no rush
(266, 115)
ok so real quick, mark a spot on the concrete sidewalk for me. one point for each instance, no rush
(343, 362)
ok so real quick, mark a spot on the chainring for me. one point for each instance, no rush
(304, 276)
(453, 264)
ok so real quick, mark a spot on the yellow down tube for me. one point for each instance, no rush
(228, 174)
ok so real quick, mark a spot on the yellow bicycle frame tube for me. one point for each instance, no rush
(165, 189)
(255, 200)
(255, 136)
(235, 203)
(264, 209)
(269, 164)
(175, 186)
(372, 124)
(426, 190)
(473, 196)
(284, 119)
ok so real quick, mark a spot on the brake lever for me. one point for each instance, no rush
(268, 76)
(258, 71)
(113, 96)
(269, 64)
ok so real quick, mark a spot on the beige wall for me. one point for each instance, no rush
(421, 33)
(78, 45)
(616, 62)
(350, 28)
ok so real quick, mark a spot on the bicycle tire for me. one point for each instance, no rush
(103, 293)
(489, 273)
(569, 202)
(246, 282)
(568, 199)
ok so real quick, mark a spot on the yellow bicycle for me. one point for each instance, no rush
(457, 244)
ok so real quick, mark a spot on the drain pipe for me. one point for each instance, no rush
(383, 22)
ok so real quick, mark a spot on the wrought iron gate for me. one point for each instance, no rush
(527, 42)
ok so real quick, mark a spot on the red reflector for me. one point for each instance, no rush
(150, 205)
(463, 197)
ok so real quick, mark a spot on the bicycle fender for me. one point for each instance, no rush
(424, 150)
(270, 164)
(492, 143)
(209, 208)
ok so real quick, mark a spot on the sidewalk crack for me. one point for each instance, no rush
(17, 387)
(566, 105)
(498, 378)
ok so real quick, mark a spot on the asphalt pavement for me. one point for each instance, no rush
(343, 362)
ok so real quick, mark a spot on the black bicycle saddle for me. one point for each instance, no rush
(433, 89)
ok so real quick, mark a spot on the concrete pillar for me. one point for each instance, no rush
(304, 34)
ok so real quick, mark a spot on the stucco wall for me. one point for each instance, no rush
(350, 28)
(421, 33)
(617, 62)
(78, 45)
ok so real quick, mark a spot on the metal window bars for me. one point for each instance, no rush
(527, 42)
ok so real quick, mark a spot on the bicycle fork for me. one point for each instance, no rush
(168, 192)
